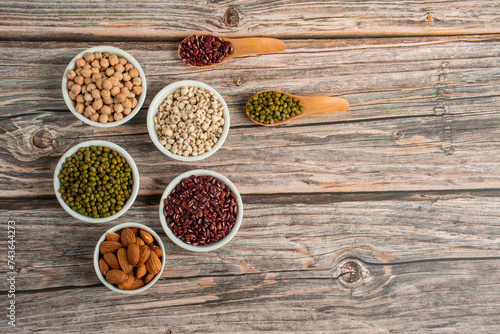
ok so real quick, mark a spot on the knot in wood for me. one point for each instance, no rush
(231, 17)
(43, 139)
(239, 82)
(351, 272)
(429, 17)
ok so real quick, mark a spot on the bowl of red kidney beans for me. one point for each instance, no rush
(201, 210)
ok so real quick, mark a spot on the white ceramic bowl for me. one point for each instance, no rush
(215, 245)
(120, 53)
(97, 255)
(124, 154)
(153, 111)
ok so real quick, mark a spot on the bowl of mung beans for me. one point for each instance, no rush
(104, 86)
(96, 181)
(201, 210)
(188, 120)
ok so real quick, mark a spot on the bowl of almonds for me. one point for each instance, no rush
(104, 86)
(129, 258)
(188, 120)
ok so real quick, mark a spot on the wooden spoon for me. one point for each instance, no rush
(245, 46)
(312, 105)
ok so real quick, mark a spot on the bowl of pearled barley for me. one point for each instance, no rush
(188, 120)
(104, 86)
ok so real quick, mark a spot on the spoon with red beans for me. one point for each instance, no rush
(208, 50)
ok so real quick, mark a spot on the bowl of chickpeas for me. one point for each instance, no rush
(104, 86)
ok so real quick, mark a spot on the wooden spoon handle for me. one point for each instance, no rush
(255, 46)
(323, 104)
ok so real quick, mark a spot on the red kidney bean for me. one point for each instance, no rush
(201, 210)
(204, 50)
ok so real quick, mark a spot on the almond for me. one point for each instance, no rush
(109, 246)
(153, 264)
(111, 260)
(127, 284)
(139, 241)
(144, 255)
(127, 237)
(116, 276)
(103, 266)
(133, 253)
(141, 271)
(148, 278)
(135, 230)
(112, 237)
(157, 250)
(147, 237)
(138, 283)
(123, 261)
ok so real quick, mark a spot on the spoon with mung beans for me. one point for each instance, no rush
(203, 50)
(272, 107)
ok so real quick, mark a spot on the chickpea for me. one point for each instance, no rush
(80, 62)
(118, 75)
(127, 111)
(71, 74)
(117, 116)
(88, 97)
(127, 104)
(97, 105)
(72, 95)
(87, 66)
(84, 89)
(107, 100)
(122, 61)
(94, 117)
(103, 118)
(129, 85)
(120, 98)
(86, 73)
(128, 67)
(110, 71)
(106, 110)
(105, 93)
(87, 114)
(118, 107)
(104, 62)
(78, 71)
(134, 102)
(87, 81)
(113, 60)
(89, 56)
(106, 84)
(114, 80)
(137, 81)
(79, 80)
(94, 70)
(126, 77)
(119, 68)
(134, 73)
(98, 83)
(80, 108)
(80, 99)
(96, 94)
(125, 91)
(90, 110)
(115, 91)
(96, 76)
(70, 84)
(76, 89)
(96, 64)
(97, 55)
(91, 87)
(137, 90)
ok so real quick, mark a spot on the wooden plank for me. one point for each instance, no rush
(435, 264)
(432, 108)
(160, 20)
(275, 237)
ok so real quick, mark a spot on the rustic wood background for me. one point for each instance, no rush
(382, 219)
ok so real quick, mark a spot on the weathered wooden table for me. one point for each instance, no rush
(381, 219)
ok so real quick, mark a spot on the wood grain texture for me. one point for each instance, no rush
(381, 219)
(160, 20)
